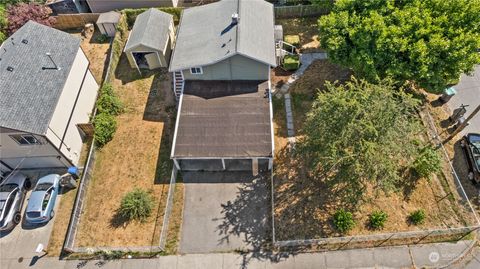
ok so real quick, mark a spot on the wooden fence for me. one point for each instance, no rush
(285, 12)
(72, 21)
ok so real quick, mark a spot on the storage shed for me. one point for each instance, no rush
(107, 23)
(150, 42)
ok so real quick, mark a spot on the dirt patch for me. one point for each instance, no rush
(306, 28)
(137, 157)
(97, 52)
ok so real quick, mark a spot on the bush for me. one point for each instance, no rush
(427, 162)
(132, 14)
(291, 62)
(377, 219)
(102, 38)
(3, 23)
(105, 126)
(136, 205)
(108, 102)
(343, 220)
(417, 217)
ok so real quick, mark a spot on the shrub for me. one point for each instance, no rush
(377, 219)
(136, 205)
(291, 62)
(427, 162)
(343, 220)
(417, 217)
(131, 14)
(105, 126)
(102, 38)
(108, 102)
(3, 23)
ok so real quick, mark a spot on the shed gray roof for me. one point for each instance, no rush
(151, 29)
(224, 119)
(108, 17)
(29, 94)
(206, 34)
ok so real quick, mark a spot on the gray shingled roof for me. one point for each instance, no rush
(206, 34)
(29, 94)
(151, 29)
(108, 17)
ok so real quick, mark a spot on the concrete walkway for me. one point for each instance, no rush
(421, 256)
(306, 60)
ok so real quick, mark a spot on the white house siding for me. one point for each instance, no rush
(237, 67)
(74, 106)
(99, 6)
(28, 156)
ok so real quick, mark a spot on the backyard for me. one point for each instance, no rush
(137, 157)
(304, 207)
(306, 28)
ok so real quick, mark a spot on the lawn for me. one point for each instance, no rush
(303, 207)
(306, 28)
(137, 157)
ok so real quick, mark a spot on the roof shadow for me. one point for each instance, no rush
(223, 88)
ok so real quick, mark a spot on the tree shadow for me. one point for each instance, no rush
(410, 183)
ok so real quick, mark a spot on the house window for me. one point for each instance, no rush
(25, 140)
(196, 71)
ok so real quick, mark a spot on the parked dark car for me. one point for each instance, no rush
(471, 146)
(42, 200)
(12, 196)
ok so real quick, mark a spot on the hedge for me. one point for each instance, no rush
(131, 14)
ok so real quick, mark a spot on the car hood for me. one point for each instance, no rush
(35, 201)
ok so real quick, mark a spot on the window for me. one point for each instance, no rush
(196, 71)
(25, 139)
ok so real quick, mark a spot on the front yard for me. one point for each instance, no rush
(304, 207)
(137, 157)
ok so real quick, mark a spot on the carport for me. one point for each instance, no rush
(150, 42)
(223, 126)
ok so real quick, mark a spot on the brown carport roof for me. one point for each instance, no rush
(224, 119)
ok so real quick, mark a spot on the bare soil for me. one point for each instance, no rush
(306, 28)
(137, 157)
(303, 206)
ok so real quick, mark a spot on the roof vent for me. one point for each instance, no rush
(235, 18)
(24, 41)
(10, 68)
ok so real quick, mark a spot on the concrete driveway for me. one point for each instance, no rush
(468, 93)
(225, 211)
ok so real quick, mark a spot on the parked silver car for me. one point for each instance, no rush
(12, 195)
(42, 200)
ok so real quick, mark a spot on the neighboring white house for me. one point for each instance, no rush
(46, 92)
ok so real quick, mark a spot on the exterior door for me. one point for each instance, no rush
(152, 60)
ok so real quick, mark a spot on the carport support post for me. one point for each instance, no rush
(176, 164)
(223, 163)
(270, 164)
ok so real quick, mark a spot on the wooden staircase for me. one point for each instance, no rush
(178, 83)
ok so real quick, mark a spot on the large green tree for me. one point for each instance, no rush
(430, 42)
(359, 135)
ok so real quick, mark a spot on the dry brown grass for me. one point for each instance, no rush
(304, 206)
(137, 157)
(175, 220)
(96, 52)
(306, 28)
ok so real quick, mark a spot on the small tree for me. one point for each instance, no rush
(343, 220)
(105, 126)
(20, 14)
(136, 205)
(428, 162)
(377, 219)
(417, 217)
(108, 102)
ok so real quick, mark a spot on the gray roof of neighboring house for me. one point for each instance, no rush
(109, 17)
(151, 29)
(206, 34)
(29, 94)
(224, 119)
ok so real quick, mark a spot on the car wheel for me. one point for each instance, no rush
(27, 184)
(52, 214)
(17, 217)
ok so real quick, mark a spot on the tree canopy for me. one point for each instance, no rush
(360, 133)
(20, 14)
(431, 42)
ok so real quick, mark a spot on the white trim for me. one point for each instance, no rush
(196, 67)
(176, 164)
(270, 164)
(271, 113)
(139, 51)
(223, 163)
(176, 126)
(218, 158)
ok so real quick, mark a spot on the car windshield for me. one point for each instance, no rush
(2, 204)
(43, 186)
(8, 187)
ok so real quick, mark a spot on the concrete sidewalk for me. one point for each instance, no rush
(421, 256)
